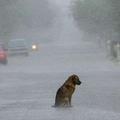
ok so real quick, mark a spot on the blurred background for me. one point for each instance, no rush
(42, 42)
(71, 22)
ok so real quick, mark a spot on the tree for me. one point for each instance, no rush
(97, 17)
(24, 15)
(115, 4)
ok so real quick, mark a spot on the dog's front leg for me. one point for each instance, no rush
(66, 102)
(70, 101)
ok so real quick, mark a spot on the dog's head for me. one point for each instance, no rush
(75, 79)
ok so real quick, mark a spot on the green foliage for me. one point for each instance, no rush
(116, 14)
(22, 15)
(97, 16)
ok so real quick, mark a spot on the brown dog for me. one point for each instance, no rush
(64, 93)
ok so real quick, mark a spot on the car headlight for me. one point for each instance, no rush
(34, 47)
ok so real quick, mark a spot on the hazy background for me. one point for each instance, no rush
(46, 20)
(74, 37)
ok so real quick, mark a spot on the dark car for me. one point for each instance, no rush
(3, 56)
(17, 47)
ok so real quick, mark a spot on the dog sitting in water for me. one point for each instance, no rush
(65, 92)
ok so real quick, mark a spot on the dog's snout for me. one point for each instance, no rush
(78, 82)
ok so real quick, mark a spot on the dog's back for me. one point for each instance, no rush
(59, 97)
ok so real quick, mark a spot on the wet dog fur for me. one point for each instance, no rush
(65, 92)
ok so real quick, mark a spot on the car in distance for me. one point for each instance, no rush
(18, 47)
(3, 56)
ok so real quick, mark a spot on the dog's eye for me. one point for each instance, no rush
(76, 77)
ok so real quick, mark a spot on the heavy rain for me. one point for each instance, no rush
(43, 42)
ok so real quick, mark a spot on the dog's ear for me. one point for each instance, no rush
(71, 77)
(75, 77)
